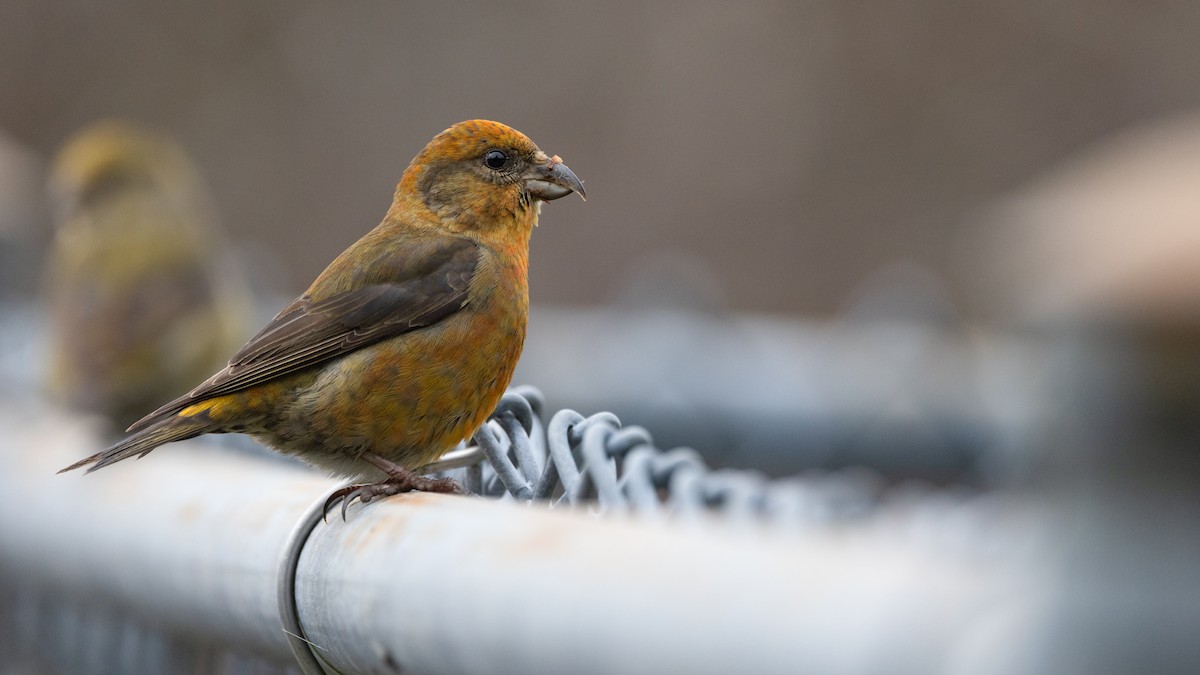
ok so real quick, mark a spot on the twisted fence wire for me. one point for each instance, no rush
(595, 463)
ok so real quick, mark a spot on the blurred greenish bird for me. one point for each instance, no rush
(138, 309)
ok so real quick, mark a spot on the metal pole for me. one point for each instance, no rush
(187, 538)
(436, 584)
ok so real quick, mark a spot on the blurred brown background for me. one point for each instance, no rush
(791, 148)
(998, 203)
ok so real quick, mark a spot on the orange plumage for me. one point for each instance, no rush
(403, 346)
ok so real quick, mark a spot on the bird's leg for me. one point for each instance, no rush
(410, 481)
(399, 480)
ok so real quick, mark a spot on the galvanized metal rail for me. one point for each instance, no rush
(190, 539)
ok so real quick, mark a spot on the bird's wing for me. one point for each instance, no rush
(406, 292)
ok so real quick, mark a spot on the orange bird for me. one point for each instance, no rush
(403, 346)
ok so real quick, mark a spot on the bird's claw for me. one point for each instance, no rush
(362, 492)
(368, 492)
(446, 486)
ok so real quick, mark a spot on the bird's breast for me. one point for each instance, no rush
(413, 397)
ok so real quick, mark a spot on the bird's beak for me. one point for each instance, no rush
(549, 179)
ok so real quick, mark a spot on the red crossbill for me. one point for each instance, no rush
(404, 345)
(138, 311)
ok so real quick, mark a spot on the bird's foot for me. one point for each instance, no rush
(398, 482)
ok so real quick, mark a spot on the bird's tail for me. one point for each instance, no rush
(142, 442)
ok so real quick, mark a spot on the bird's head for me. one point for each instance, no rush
(112, 157)
(478, 176)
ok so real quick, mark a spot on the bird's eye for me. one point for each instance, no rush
(495, 159)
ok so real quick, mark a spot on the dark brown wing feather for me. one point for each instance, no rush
(404, 296)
